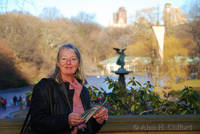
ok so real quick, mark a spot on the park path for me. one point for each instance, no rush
(5, 113)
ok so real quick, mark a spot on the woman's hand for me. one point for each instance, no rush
(101, 115)
(74, 119)
(75, 84)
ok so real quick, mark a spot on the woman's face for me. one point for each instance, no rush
(68, 62)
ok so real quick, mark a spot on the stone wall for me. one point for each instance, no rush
(158, 124)
(154, 124)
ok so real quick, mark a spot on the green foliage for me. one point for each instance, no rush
(140, 99)
(29, 94)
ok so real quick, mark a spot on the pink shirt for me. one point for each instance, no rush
(77, 106)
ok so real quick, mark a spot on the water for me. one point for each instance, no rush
(11, 92)
(100, 82)
(92, 81)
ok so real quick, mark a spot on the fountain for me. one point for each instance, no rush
(121, 71)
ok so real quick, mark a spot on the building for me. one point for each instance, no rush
(173, 16)
(120, 18)
(135, 64)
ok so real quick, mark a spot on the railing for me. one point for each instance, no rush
(159, 124)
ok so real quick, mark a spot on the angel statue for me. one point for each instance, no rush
(120, 60)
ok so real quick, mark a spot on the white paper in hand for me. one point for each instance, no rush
(89, 113)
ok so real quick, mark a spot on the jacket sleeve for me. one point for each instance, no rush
(41, 119)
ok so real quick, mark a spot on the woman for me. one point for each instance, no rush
(70, 98)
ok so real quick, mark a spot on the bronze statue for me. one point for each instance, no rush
(121, 71)
(120, 60)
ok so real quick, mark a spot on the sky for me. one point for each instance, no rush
(102, 9)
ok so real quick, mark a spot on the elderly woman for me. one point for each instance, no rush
(61, 114)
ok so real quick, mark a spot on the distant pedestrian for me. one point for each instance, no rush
(20, 102)
(28, 101)
(1, 99)
(4, 103)
(15, 100)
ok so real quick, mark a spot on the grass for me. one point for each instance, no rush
(190, 83)
(195, 83)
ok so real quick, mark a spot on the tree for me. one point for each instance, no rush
(3, 6)
(194, 23)
(194, 30)
(50, 13)
(87, 32)
(175, 55)
(10, 75)
(150, 14)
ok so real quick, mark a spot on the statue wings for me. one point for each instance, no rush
(123, 49)
(118, 50)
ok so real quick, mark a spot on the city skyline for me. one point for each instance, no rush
(102, 10)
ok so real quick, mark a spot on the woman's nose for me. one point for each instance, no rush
(68, 61)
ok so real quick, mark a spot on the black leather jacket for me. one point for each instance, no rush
(45, 122)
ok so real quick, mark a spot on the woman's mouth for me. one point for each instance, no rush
(68, 67)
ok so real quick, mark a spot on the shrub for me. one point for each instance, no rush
(140, 99)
